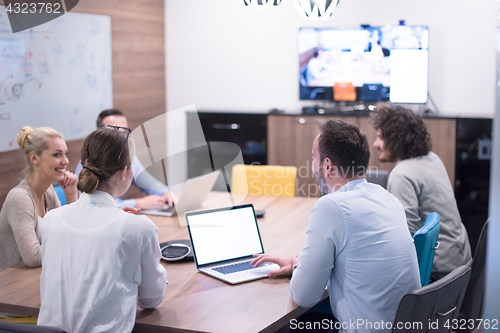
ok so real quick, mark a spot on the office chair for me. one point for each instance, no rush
(372, 92)
(426, 243)
(435, 304)
(268, 180)
(10, 327)
(472, 307)
(60, 194)
(344, 91)
(378, 177)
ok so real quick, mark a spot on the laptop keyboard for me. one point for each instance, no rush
(167, 209)
(233, 268)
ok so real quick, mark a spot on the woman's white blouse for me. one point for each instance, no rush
(98, 264)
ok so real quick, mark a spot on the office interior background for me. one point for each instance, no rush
(221, 56)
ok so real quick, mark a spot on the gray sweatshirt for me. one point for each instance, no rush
(423, 186)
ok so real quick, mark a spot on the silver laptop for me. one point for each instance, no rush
(190, 197)
(224, 242)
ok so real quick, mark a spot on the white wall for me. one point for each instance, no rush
(223, 56)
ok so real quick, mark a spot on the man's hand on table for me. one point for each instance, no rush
(285, 264)
(150, 201)
(168, 198)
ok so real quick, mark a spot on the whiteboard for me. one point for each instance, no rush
(57, 74)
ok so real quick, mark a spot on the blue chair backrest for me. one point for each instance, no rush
(426, 243)
(60, 194)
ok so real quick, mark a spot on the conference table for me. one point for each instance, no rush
(195, 302)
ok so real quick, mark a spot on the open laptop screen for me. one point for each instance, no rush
(219, 235)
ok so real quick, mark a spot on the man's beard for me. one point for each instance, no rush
(323, 185)
(388, 158)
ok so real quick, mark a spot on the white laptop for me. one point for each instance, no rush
(224, 242)
(190, 197)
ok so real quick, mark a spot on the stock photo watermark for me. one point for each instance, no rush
(363, 324)
(264, 180)
(27, 14)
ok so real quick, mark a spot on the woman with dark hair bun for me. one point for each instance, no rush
(99, 262)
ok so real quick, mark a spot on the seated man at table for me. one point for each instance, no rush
(357, 242)
(420, 181)
(157, 194)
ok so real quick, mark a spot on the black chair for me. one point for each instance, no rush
(472, 307)
(376, 176)
(430, 308)
(8, 327)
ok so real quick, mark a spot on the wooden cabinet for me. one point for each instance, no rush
(290, 139)
(443, 133)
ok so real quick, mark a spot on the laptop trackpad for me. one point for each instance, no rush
(242, 276)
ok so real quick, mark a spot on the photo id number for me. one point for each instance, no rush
(471, 324)
(34, 7)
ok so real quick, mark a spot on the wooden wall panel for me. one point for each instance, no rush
(11, 164)
(138, 43)
(443, 134)
(290, 141)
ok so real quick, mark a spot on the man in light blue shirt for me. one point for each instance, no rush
(357, 241)
(157, 194)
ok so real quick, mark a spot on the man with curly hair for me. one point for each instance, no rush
(420, 181)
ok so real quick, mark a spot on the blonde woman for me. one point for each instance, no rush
(27, 203)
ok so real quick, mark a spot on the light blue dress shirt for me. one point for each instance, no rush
(358, 245)
(151, 186)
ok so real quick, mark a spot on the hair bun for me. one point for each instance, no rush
(22, 136)
(89, 178)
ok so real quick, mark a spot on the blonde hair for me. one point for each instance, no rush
(34, 140)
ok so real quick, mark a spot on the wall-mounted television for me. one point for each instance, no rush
(369, 64)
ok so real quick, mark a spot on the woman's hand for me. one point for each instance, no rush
(131, 210)
(68, 184)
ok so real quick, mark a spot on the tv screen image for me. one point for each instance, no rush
(388, 63)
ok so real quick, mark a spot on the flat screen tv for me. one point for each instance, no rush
(388, 63)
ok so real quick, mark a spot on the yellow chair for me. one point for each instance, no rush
(21, 320)
(269, 180)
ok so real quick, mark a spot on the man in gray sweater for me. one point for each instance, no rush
(420, 181)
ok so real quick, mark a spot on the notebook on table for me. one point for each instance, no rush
(224, 242)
